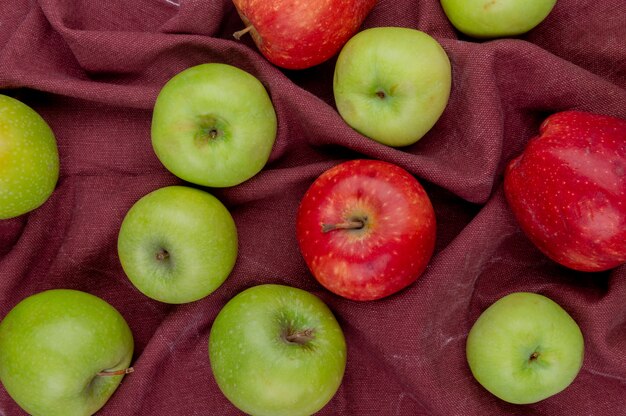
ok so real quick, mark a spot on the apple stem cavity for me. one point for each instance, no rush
(213, 133)
(381, 94)
(121, 372)
(238, 34)
(352, 224)
(209, 134)
(210, 128)
(162, 255)
(534, 356)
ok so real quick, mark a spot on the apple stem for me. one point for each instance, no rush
(238, 34)
(116, 372)
(299, 337)
(533, 356)
(346, 225)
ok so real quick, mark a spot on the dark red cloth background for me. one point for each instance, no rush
(93, 68)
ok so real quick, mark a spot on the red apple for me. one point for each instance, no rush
(296, 34)
(366, 229)
(568, 190)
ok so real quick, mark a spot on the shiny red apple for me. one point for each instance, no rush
(366, 229)
(567, 190)
(296, 34)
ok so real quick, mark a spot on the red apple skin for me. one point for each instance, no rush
(393, 247)
(298, 34)
(567, 190)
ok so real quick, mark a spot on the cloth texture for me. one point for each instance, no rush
(93, 70)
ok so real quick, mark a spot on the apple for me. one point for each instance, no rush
(29, 159)
(277, 350)
(496, 18)
(567, 190)
(366, 229)
(213, 125)
(177, 244)
(63, 353)
(295, 34)
(392, 84)
(525, 348)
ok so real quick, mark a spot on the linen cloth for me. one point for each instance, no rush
(93, 70)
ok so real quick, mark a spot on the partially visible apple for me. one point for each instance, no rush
(296, 34)
(366, 229)
(63, 353)
(567, 190)
(29, 159)
(392, 84)
(525, 348)
(213, 125)
(277, 351)
(496, 18)
(177, 244)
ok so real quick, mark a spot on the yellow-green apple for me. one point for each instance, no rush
(297, 34)
(392, 84)
(29, 159)
(213, 125)
(177, 244)
(496, 18)
(366, 229)
(525, 348)
(277, 351)
(567, 190)
(63, 353)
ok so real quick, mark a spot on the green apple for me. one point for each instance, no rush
(213, 125)
(277, 350)
(177, 244)
(392, 84)
(63, 353)
(525, 348)
(496, 18)
(29, 159)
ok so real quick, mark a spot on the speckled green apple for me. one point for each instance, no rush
(63, 353)
(213, 125)
(525, 348)
(177, 244)
(277, 351)
(496, 18)
(29, 159)
(392, 84)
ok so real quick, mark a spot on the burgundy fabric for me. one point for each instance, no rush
(93, 68)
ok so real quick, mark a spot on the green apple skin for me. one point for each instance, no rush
(392, 84)
(177, 244)
(213, 125)
(277, 350)
(525, 348)
(29, 159)
(53, 345)
(496, 18)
